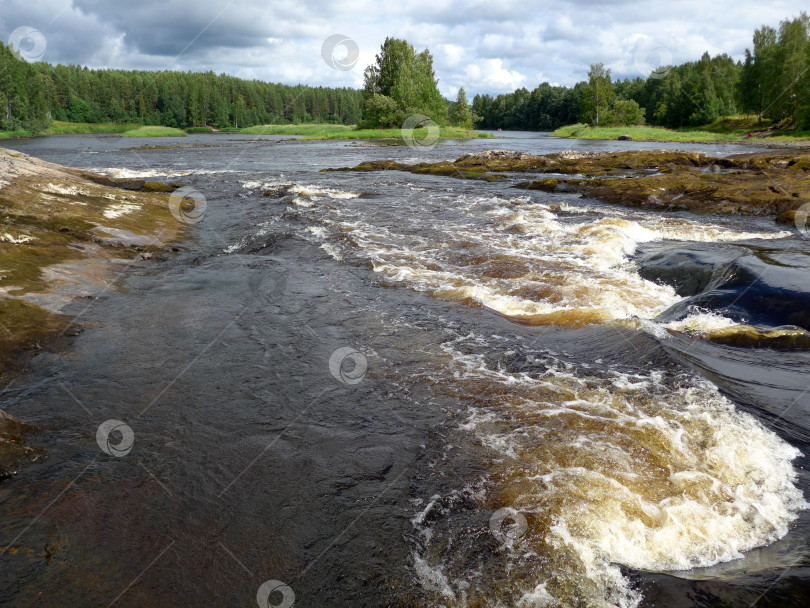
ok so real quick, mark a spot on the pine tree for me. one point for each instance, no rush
(461, 113)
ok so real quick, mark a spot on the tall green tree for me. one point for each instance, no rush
(791, 57)
(406, 78)
(598, 95)
(461, 114)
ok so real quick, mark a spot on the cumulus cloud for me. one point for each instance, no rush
(484, 46)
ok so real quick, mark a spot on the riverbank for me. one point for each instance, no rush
(66, 234)
(59, 127)
(641, 133)
(720, 133)
(321, 131)
(154, 132)
(305, 131)
(770, 183)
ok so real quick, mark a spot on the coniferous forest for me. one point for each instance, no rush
(773, 82)
(33, 94)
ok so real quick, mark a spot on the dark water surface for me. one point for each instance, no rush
(533, 400)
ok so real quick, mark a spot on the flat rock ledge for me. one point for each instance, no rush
(63, 233)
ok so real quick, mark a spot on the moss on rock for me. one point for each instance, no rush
(766, 183)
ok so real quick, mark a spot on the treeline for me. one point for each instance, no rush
(773, 81)
(32, 94)
(545, 108)
(775, 77)
(25, 95)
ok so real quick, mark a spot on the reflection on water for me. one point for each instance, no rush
(561, 402)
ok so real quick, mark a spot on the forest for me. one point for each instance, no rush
(31, 95)
(773, 82)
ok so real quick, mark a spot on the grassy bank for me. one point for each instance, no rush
(59, 127)
(154, 132)
(10, 134)
(321, 131)
(790, 136)
(641, 133)
(311, 130)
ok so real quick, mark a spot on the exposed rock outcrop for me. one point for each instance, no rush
(768, 183)
(61, 232)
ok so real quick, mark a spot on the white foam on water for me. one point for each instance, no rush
(333, 251)
(302, 202)
(522, 259)
(123, 173)
(631, 469)
(302, 190)
(214, 171)
(538, 597)
(432, 577)
(316, 191)
(702, 323)
(253, 184)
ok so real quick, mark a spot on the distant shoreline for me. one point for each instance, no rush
(304, 131)
(314, 131)
(645, 133)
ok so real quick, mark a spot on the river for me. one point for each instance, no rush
(389, 389)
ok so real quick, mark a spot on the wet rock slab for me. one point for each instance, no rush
(62, 232)
(768, 183)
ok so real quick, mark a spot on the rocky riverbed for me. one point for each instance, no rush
(763, 183)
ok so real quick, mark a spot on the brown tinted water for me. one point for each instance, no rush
(396, 390)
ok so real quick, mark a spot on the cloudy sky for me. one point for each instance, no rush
(487, 46)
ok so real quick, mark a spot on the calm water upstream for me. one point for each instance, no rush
(384, 389)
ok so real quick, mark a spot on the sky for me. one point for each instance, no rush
(486, 46)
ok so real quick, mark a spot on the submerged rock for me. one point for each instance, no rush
(769, 183)
(13, 448)
(62, 228)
